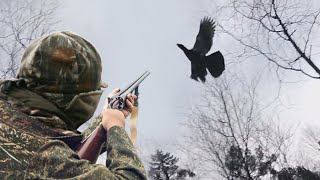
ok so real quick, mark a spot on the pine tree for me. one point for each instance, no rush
(243, 164)
(299, 173)
(163, 167)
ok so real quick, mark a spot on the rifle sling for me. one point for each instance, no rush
(133, 124)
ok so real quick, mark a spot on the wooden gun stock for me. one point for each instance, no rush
(91, 147)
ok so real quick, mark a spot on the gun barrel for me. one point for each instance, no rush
(133, 86)
(119, 99)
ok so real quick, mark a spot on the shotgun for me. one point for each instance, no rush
(90, 148)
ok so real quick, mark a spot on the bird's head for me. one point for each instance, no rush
(182, 47)
(192, 55)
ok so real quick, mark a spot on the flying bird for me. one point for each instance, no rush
(197, 55)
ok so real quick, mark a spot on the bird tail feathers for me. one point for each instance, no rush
(215, 64)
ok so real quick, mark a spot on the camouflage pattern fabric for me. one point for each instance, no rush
(17, 145)
(56, 160)
(30, 150)
(65, 69)
(62, 63)
(58, 88)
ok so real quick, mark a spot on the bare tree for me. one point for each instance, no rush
(284, 32)
(20, 23)
(309, 149)
(230, 135)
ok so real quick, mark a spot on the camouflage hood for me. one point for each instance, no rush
(65, 69)
(61, 62)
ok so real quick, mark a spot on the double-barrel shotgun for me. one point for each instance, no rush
(91, 147)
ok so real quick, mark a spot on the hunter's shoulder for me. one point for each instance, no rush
(15, 114)
(9, 107)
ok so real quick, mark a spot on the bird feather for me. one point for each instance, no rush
(204, 38)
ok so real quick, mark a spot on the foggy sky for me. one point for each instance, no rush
(134, 36)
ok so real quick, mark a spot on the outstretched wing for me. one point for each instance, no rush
(215, 64)
(204, 38)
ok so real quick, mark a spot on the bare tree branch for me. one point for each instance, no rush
(281, 31)
(230, 116)
(21, 23)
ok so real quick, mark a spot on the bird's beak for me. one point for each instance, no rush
(180, 46)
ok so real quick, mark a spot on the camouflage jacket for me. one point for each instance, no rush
(31, 150)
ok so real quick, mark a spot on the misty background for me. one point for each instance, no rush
(134, 36)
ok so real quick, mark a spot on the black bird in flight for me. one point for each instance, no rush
(197, 55)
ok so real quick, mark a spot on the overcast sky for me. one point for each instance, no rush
(132, 37)
(135, 36)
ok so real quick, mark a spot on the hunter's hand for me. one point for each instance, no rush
(129, 105)
(113, 117)
(129, 102)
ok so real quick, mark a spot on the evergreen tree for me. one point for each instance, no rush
(243, 164)
(297, 173)
(163, 167)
